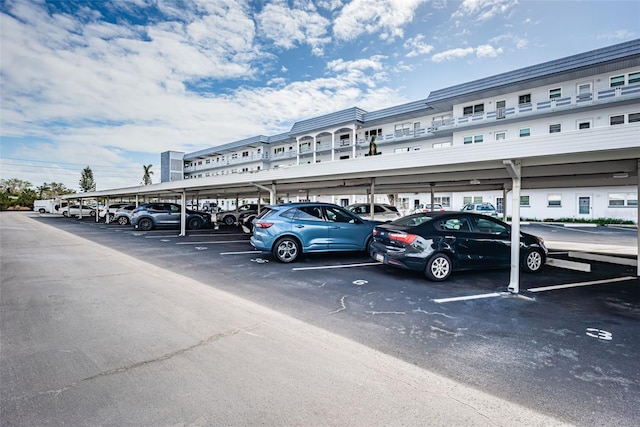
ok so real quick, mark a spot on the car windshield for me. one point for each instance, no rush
(485, 208)
(413, 220)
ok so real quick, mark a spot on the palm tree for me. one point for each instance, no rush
(146, 178)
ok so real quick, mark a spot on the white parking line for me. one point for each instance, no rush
(240, 253)
(471, 297)
(576, 285)
(326, 267)
(212, 242)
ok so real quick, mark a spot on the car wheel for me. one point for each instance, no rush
(533, 261)
(229, 220)
(145, 224)
(286, 249)
(367, 245)
(65, 214)
(123, 220)
(41, 210)
(111, 216)
(194, 223)
(438, 268)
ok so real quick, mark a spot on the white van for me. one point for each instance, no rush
(46, 206)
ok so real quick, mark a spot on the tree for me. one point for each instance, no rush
(14, 186)
(146, 178)
(87, 183)
(53, 189)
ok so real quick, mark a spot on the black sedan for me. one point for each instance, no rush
(438, 243)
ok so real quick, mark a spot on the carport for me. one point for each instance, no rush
(543, 162)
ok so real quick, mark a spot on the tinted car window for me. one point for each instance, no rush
(490, 227)
(337, 215)
(174, 208)
(310, 213)
(413, 220)
(454, 224)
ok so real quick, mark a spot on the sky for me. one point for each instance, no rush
(112, 84)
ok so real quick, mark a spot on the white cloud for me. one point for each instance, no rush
(618, 35)
(417, 46)
(288, 27)
(383, 17)
(483, 10)
(482, 51)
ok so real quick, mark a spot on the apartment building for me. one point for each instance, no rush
(565, 100)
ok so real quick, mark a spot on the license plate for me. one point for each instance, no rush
(379, 258)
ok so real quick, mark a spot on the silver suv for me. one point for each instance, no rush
(481, 208)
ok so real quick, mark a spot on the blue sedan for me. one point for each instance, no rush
(290, 229)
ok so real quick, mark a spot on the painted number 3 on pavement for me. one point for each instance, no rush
(600, 334)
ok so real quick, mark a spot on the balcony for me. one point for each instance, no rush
(226, 162)
(552, 105)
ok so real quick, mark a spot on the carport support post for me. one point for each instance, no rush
(371, 203)
(638, 216)
(106, 215)
(183, 214)
(514, 169)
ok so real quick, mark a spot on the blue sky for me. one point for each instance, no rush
(112, 84)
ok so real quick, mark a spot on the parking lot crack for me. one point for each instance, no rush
(420, 310)
(342, 306)
(162, 358)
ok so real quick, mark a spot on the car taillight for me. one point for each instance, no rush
(375, 232)
(403, 237)
(260, 224)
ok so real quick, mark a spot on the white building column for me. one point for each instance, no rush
(333, 146)
(297, 150)
(183, 214)
(314, 149)
(353, 142)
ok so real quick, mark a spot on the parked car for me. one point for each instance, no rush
(381, 212)
(74, 210)
(151, 215)
(438, 243)
(233, 217)
(291, 229)
(123, 214)
(112, 209)
(480, 208)
(436, 207)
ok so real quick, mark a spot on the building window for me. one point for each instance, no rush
(372, 132)
(473, 139)
(234, 156)
(634, 77)
(623, 199)
(555, 93)
(468, 140)
(441, 144)
(478, 138)
(207, 161)
(584, 125)
(445, 201)
(401, 150)
(245, 154)
(584, 88)
(344, 157)
(524, 99)
(278, 150)
(554, 200)
(634, 117)
(617, 81)
(499, 136)
(402, 130)
(473, 109)
(616, 120)
(524, 201)
(555, 128)
(525, 132)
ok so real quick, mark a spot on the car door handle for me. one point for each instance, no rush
(299, 226)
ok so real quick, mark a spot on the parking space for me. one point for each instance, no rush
(565, 345)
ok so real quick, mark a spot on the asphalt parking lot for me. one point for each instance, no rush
(566, 346)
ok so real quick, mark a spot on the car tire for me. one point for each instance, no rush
(367, 245)
(229, 220)
(123, 220)
(286, 249)
(145, 224)
(438, 268)
(65, 214)
(111, 216)
(194, 223)
(533, 261)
